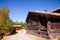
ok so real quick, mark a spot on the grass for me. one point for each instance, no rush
(56, 38)
(35, 37)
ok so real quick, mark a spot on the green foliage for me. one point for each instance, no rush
(16, 23)
(5, 21)
(23, 24)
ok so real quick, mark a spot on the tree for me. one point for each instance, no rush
(16, 23)
(23, 24)
(5, 21)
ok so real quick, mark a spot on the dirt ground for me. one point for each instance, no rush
(22, 35)
(29, 35)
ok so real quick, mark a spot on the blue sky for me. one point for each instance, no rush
(18, 9)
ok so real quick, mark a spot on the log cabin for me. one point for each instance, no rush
(44, 24)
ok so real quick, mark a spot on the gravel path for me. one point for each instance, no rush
(19, 36)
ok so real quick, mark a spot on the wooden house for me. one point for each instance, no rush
(44, 24)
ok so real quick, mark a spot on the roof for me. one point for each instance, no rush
(47, 13)
(53, 14)
(16, 25)
(56, 10)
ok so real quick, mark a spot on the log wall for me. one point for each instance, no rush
(54, 30)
